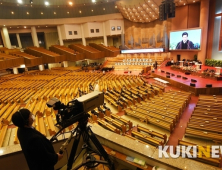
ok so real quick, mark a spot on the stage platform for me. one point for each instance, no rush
(184, 84)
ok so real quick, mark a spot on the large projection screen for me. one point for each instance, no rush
(186, 40)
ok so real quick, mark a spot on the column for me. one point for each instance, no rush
(15, 70)
(19, 41)
(83, 36)
(34, 37)
(204, 18)
(65, 63)
(5, 37)
(60, 35)
(41, 67)
(104, 34)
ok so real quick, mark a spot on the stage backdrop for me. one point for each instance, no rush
(187, 16)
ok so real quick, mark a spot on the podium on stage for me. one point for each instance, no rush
(181, 63)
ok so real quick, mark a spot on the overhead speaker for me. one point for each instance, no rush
(172, 74)
(185, 78)
(208, 85)
(178, 76)
(193, 80)
(192, 84)
(162, 14)
(167, 76)
(171, 13)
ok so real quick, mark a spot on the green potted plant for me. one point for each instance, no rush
(195, 57)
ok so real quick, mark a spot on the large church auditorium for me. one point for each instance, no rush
(113, 84)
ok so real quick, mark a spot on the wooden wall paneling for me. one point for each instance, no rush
(180, 21)
(211, 28)
(193, 15)
(220, 40)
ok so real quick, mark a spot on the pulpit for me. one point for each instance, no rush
(181, 63)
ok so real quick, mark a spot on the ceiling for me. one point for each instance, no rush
(145, 10)
(53, 2)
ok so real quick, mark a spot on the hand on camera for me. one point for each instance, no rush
(60, 156)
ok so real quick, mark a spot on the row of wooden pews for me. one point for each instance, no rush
(71, 55)
(163, 110)
(212, 161)
(121, 126)
(206, 119)
(9, 61)
(33, 90)
(109, 51)
(90, 52)
(47, 56)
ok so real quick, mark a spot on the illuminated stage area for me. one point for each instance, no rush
(180, 80)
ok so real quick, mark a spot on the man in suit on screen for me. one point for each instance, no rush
(185, 43)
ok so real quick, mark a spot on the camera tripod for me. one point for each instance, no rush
(89, 161)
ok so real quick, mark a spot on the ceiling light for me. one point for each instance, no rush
(93, 0)
(12, 12)
(70, 3)
(27, 13)
(42, 13)
(184, 3)
(67, 12)
(92, 10)
(19, 1)
(54, 12)
(115, 6)
(193, 1)
(46, 26)
(17, 27)
(24, 26)
(104, 9)
(10, 27)
(38, 26)
(31, 1)
(4, 25)
(80, 12)
(46, 3)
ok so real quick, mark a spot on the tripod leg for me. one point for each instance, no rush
(100, 148)
(74, 149)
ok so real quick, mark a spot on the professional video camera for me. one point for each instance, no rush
(77, 111)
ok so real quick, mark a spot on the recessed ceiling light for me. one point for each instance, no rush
(115, 6)
(93, 1)
(92, 10)
(17, 27)
(27, 13)
(70, 3)
(38, 26)
(193, 1)
(42, 13)
(19, 1)
(184, 3)
(46, 26)
(46, 3)
(80, 11)
(104, 9)
(4, 25)
(10, 27)
(24, 26)
(54, 12)
(67, 12)
(12, 12)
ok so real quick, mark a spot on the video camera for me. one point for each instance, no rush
(75, 109)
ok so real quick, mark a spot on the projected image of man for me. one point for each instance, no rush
(185, 43)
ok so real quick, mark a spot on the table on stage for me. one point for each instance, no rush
(161, 82)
